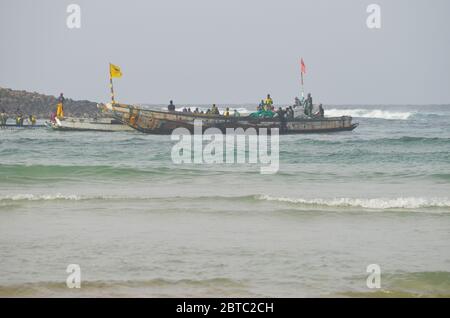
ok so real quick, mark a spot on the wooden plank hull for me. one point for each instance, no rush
(159, 122)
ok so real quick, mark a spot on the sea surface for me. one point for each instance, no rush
(139, 225)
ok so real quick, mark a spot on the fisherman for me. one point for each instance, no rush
(32, 120)
(321, 111)
(268, 102)
(236, 113)
(281, 115)
(261, 105)
(227, 112)
(171, 106)
(290, 112)
(19, 120)
(184, 110)
(196, 111)
(53, 117)
(215, 110)
(60, 106)
(308, 105)
(297, 102)
(3, 118)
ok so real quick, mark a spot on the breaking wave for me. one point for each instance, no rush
(415, 284)
(377, 203)
(341, 203)
(157, 287)
(45, 197)
(369, 113)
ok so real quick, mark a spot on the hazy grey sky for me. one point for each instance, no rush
(229, 51)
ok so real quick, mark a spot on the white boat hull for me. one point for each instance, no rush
(89, 124)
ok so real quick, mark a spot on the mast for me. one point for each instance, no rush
(302, 71)
(111, 85)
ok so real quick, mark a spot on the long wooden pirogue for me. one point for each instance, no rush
(164, 122)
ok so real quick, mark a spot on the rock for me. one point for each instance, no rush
(41, 106)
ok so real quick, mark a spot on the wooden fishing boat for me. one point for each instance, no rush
(88, 124)
(164, 122)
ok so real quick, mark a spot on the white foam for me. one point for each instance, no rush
(377, 203)
(368, 203)
(39, 197)
(368, 113)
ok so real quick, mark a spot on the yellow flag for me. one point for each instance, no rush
(114, 70)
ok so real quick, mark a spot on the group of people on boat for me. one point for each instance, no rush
(214, 110)
(266, 104)
(265, 109)
(309, 107)
(20, 118)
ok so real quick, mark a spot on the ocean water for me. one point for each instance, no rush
(141, 226)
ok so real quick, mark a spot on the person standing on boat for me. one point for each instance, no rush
(60, 106)
(3, 118)
(308, 105)
(171, 106)
(53, 117)
(282, 116)
(321, 112)
(32, 120)
(261, 105)
(290, 112)
(19, 119)
(268, 102)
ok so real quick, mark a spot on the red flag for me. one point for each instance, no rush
(302, 66)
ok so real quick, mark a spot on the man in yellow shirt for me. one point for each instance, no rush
(268, 103)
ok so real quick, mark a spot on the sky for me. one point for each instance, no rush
(229, 51)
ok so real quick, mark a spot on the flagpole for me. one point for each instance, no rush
(303, 87)
(111, 85)
(302, 70)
